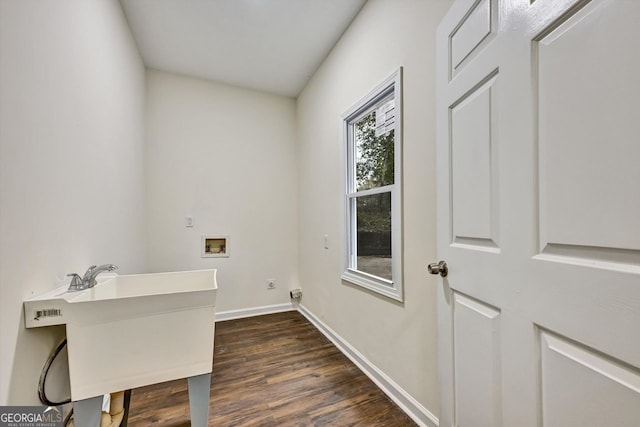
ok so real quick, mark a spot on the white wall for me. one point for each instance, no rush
(398, 338)
(71, 162)
(226, 156)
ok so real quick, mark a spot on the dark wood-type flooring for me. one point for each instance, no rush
(273, 370)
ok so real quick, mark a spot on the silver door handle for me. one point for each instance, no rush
(438, 268)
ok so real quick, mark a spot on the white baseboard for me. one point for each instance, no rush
(408, 404)
(250, 312)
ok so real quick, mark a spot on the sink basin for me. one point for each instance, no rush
(132, 330)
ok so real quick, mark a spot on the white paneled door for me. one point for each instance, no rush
(539, 213)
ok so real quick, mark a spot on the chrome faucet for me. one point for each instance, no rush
(89, 279)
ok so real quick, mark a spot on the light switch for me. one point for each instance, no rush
(188, 221)
(326, 241)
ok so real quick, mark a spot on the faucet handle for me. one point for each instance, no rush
(88, 272)
(76, 283)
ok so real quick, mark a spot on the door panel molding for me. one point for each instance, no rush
(620, 260)
(473, 167)
(568, 369)
(477, 367)
(476, 29)
(585, 157)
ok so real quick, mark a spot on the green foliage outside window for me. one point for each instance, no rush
(374, 162)
(374, 168)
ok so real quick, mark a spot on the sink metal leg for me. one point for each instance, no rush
(127, 403)
(199, 389)
(87, 412)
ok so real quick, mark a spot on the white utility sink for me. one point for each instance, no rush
(132, 330)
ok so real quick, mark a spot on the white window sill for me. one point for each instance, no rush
(373, 283)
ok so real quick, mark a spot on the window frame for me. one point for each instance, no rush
(390, 87)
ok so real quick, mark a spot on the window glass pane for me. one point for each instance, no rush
(374, 154)
(373, 219)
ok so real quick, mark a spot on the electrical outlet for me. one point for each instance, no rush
(272, 284)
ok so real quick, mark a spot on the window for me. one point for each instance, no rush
(373, 199)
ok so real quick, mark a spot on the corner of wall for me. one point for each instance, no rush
(71, 172)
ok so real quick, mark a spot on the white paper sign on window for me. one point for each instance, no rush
(385, 118)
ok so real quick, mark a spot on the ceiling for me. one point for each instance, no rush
(268, 45)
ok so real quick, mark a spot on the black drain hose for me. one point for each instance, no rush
(67, 419)
(43, 396)
(43, 377)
